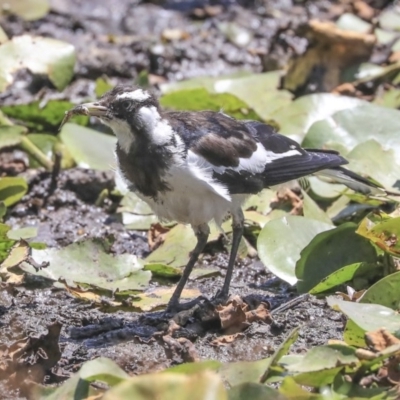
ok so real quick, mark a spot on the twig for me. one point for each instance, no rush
(291, 303)
(55, 173)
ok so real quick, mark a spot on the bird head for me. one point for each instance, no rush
(131, 112)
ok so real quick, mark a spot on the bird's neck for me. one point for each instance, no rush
(150, 124)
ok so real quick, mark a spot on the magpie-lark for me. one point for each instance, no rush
(194, 167)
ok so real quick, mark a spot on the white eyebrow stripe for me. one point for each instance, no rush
(138, 95)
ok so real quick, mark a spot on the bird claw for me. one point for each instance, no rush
(219, 298)
(176, 307)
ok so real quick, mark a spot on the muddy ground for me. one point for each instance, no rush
(69, 214)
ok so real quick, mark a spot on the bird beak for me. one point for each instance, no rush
(94, 109)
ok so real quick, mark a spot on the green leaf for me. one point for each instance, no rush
(136, 213)
(293, 391)
(382, 230)
(330, 251)
(350, 22)
(296, 119)
(261, 201)
(258, 91)
(357, 125)
(78, 386)
(44, 56)
(236, 373)
(104, 370)
(163, 270)
(11, 135)
(281, 241)
(170, 386)
(3, 210)
(102, 86)
(5, 242)
(87, 263)
(28, 232)
(48, 145)
(38, 117)
(353, 335)
(324, 191)
(346, 274)
(311, 210)
(321, 364)
(279, 353)
(389, 98)
(73, 388)
(361, 314)
(343, 387)
(45, 143)
(18, 253)
(12, 189)
(175, 251)
(371, 159)
(158, 298)
(384, 292)
(29, 10)
(254, 391)
(195, 367)
(79, 141)
(201, 99)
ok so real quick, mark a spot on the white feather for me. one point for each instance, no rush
(193, 199)
(160, 130)
(123, 132)
(254, 164)
(136, 95)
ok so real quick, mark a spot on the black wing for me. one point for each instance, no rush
(247, 156)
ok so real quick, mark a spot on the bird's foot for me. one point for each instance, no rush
(221, 297)
(174, 306)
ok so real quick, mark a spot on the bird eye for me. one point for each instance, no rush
(126, 105)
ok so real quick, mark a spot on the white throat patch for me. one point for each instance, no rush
(123, 133)
(136, 95)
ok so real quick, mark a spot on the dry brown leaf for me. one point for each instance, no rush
(156, 235)
(207, 11)
(226, 339)
(286, 195)
(30, 359)
(233, 315)
(389, 373)
(345, 89)
(236, 315)
(174, 34)
(180, 350)
(364, 10)
(363, 354)
(261, 313)
(380, 339)
(351, 294)
(83, 294)
(330, 50)
(394, 57)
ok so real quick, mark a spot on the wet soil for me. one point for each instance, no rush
(114, 44)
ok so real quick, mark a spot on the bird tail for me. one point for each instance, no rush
(352, 180)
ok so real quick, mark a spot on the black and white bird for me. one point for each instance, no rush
(194, 167)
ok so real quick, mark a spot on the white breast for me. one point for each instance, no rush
(195, 198)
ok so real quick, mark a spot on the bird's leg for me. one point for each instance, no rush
(202, 232)
(237, 230)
